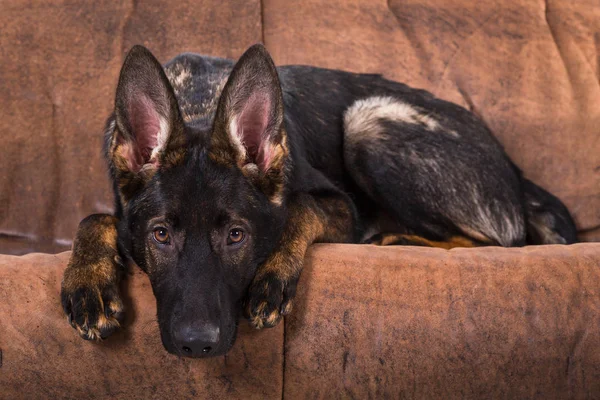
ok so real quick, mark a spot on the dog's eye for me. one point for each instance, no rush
(236, 235)
(161, 235)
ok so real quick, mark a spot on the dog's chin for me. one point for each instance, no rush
(226, 343)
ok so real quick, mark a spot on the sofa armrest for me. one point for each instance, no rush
(368, 322)
(412, 322)
(43, 357)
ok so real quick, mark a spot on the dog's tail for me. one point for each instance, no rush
(548, 220)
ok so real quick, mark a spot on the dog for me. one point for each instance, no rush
(225, 173)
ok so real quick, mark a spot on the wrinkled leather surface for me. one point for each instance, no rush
(44, 358)
(428, 323)
(395, 322)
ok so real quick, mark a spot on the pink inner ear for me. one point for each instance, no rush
(145, 126)
(251, 129)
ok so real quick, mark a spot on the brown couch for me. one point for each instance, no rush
(402, 322)
(371, 322)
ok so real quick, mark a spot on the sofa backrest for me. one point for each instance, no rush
(529, 69)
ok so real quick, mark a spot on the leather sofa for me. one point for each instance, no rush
(370, 322)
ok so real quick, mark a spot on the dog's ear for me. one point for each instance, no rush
(148, 130)
(248, 130)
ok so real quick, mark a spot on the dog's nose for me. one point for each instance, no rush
(197, 341)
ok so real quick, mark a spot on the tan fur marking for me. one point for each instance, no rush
(169, 154)
(309, 220)
(287, 308)
(257, 321)
(271, 182)
(455, 241)
(362, 119)
(286, 262)
(475, 235)
(109, 236)
(93, 333)
(273, 318)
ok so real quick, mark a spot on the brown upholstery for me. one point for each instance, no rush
(43, 357)
(369, 323)
(529, 69)
(59, 65)
(430, 323)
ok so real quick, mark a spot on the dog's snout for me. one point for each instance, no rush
(200, 341)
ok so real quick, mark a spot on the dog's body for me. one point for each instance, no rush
(225, 173)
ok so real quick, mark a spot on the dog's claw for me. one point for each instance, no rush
(269, 299)
(94, 312)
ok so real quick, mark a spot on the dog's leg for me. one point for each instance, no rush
(311, 219)
(393, 239)
(438, 178)
(90, 286)
(548, 220)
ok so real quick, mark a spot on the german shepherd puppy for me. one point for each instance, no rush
(224, 173)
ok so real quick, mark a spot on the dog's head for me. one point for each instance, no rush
(201, 202)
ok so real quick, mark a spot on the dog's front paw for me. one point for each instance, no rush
(269, 299)
(91, 301)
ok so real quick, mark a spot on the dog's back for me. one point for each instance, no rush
(430, 165)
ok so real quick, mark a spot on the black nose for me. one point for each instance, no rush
(196, 341)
